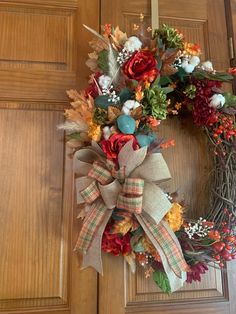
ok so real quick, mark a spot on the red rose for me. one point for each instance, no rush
(114, 243)
(142, 66)
(113, 145)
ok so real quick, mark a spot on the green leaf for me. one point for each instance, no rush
(165, 80)
(138, 231)
(162, 281)
(181, 74)
(137, 247)
(74, 136)
(99, 116)
(117, 217)
(156, 82)
(102, 101)
(133, 83)
(230, 100)
(167, 90)
(125, 94)
(159, 63)
(217, 76)
(103, 61)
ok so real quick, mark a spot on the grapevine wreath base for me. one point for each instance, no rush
(137, 82)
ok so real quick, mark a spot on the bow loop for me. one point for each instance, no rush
(100, 173)
(133, 186)
(90, 193)
(131, 198)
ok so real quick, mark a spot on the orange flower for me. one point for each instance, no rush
(167, 144)
(152, 123)
(139, 93)
(107, 30)
(214, 234)
(192, 49)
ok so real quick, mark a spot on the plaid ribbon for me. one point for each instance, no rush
(90, 225)
(99, 173)
(91, 193)
(172, 252)
(129, 198)
(132, 198)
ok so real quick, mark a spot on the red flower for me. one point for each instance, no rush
(196, 271)
(114, 243)
(92, 89)
(232, 71)
(203, 113)
(142, 66)
(113, 145)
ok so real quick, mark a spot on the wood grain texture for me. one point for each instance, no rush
(36, 37)
(231, 20)
(44, 3)
(31, 184)
(33, 84)
(38, 62)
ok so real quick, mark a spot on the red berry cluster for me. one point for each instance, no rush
(225, 129)
(224, 248)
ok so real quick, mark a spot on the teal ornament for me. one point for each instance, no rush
(145, 140)
(126, 124)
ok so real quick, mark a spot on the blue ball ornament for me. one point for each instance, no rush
(126, 124)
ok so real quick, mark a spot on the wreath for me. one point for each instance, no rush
(138, 82)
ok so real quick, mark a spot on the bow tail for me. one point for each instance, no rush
(93, 257)
(90, 236)
(91, 224)
(166, 243)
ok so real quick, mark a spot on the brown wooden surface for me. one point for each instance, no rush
(204, 22)
(41, 55)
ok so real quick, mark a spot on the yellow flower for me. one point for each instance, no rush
(95, 131)
(175, 217)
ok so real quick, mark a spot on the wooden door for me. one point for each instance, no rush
(42, 54)
(120, 291)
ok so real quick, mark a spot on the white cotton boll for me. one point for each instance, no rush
(217, 101)
(184, 63)
(195, 60)
(104, 81)
(130, 104)
(125, 110)
(136, 105)
(106, 132)
(132, 44)
(207, 66)
(188, 68)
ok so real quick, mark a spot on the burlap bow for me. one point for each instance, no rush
(134, 188)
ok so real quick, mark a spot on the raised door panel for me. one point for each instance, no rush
(34, 259)
(37, 50)
(38, 227)
(189, 164)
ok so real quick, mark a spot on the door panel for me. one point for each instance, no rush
(40, 43)
(203, 22)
